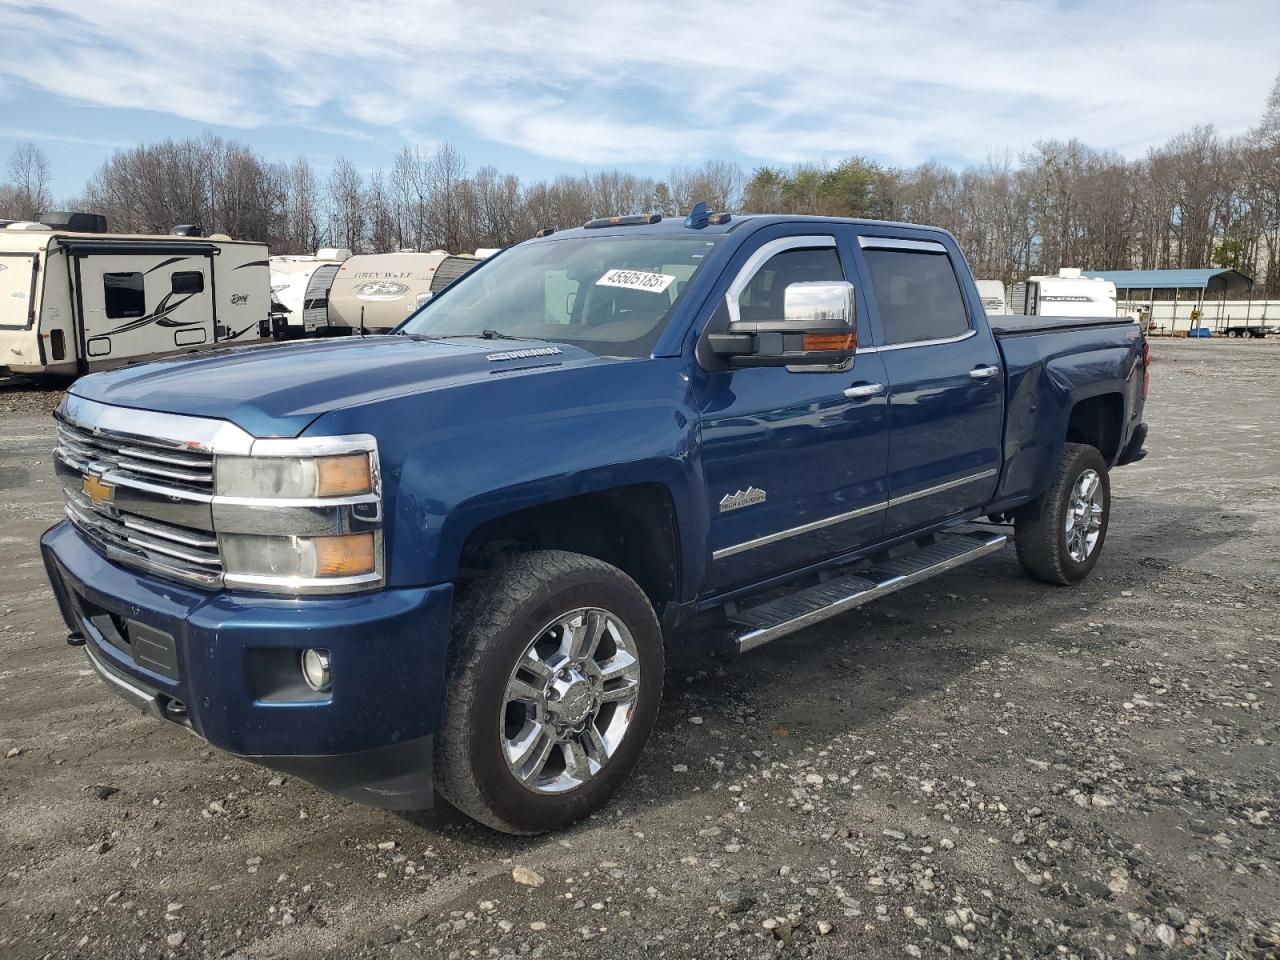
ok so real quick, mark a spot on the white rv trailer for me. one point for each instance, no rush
(991, 292)
(300, 291)
(385, 288)
(71, 302)
(1064, 294)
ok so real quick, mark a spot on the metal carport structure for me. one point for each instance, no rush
(1222, 282)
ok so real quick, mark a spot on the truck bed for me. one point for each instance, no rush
(1013, 324)
(1051, 364)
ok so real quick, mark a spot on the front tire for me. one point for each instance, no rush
(1060, 536)
(552, 692)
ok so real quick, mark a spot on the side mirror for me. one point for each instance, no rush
(816, 329)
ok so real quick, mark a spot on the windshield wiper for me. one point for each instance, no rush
(498, 335)
(482, 335)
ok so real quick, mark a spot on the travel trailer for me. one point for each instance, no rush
(1065, 294)
(300, 291)
(77, 299)
(384, 288)
(992, 294)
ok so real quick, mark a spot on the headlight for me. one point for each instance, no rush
(344, 555)
(299, 478)
(300, 515)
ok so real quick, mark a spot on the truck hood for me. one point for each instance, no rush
(277, 390)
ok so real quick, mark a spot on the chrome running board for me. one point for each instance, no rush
(775, 618)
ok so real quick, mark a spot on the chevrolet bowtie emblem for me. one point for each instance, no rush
(97, 491)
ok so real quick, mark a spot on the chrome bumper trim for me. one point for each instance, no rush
(143, 699)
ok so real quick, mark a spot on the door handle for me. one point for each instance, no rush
(864, 390)
(984, 373)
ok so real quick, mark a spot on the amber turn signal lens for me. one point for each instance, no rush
(814, 342)
(345, 556)
(343, 475)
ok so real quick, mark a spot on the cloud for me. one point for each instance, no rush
(666, 81)
(42, 136)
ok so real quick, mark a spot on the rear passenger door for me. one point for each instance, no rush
(946, 405)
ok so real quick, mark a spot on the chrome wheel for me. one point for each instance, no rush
(570, 700)
(1084, 515)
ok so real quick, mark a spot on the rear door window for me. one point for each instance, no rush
(917, 294)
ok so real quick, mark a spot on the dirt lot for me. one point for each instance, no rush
(983, 765)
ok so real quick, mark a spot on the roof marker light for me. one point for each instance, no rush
(700, 217)
(631, 221)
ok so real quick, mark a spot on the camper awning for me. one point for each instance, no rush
(1233, 283)
(184, 248)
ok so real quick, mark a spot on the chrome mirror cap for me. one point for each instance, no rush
(826, 304)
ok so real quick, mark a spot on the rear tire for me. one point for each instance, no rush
(552, 692)
(1060, 536)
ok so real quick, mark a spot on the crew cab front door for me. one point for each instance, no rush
(793, 459)
(946, 383)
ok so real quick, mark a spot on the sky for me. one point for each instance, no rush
(539, 88)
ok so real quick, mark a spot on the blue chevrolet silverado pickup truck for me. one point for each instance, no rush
(446, 559)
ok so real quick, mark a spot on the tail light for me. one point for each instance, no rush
(1146, 367)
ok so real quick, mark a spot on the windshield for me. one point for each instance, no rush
(609, 295)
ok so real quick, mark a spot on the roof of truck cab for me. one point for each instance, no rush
(668, 226)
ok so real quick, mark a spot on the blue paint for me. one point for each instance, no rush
(464, 439)
(216, 634)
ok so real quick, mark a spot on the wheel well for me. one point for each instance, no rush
(1097, 421)
(633, 528)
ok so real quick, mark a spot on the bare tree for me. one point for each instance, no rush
(380, 217)
(300, 231)
(346, 205)
(445, 177)
(26, 195)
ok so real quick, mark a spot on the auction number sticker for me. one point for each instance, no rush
(636, 280)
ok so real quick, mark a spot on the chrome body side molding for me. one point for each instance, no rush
(725, 552)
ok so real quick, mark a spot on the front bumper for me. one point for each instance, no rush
(225, 665)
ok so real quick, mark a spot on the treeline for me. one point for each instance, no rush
(1199, 200)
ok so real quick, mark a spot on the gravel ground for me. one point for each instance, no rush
(982, 766)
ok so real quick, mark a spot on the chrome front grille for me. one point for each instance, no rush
(178, 552)
(139, 485)
(146, 459)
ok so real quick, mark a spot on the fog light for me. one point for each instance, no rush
(315, 669)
